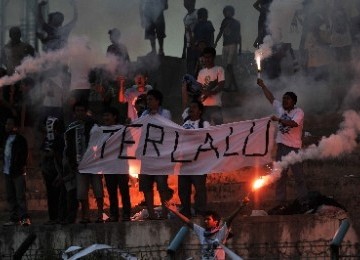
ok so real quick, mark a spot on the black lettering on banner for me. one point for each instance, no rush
(266, 141)
(175, 147)
(125, 141)
(154, 142)
(200, 149)
(112, 131)
(227, 139)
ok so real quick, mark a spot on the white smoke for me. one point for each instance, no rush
(78, 54)
(278, 21)
(338, 144)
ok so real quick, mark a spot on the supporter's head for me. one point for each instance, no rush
(140, 78)
(11, 125)
(189, 4)
(56, 19)
(289, 100)
(110, 116)
(80, 110)
(15, 34)
(154, 99)
(229, 11)
(114, 35)
(211, 219)
(208, 56)
(196, 109)
(202, 14)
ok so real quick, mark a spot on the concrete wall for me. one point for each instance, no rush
(278, 236)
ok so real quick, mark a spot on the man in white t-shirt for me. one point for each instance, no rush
(154, 101)
(193, 120)
(288, 138)
(132, 94)
(212, 79)
(214, 232)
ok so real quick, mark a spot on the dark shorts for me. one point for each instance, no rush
(155, 28)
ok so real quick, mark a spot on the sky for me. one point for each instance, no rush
(96, 17)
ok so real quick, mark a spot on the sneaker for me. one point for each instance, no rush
(25, 222)
(10, 223)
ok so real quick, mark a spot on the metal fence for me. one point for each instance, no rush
(266, 251)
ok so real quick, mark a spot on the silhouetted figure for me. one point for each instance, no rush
(152, 20)
(317, 47)
(14, 169)
(154, 100)
(212, 80)
(190, 51)
(272, 64)
(51, 166)
(54, 34)
(355, 25)
(15, 50)
(230, 31)
(204, 29)
(116, 48)
(263, 7)
(115, 182)
(340, 33)
(194, 120)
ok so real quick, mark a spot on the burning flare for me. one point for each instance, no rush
(258, 183)
(258, 55)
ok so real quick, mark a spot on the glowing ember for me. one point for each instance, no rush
(134, 168)
(258, 62)
(258, 184)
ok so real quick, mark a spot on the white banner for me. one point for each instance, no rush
(157, 146)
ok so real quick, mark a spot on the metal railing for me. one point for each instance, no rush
(319, 249)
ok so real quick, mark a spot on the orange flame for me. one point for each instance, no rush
(134, 168)
(258, 183)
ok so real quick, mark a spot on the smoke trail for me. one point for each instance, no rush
(342, 142)
(78, 51)
(280, 16)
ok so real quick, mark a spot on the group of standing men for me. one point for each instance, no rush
(66, 187)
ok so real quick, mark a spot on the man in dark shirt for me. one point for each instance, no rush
(14, 168)
(230, 31)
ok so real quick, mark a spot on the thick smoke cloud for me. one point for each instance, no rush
(337, 93)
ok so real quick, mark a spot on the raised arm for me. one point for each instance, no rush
(71, 24)
(257, 6)
(221, 31)
(266, 91)
(40, 15)
(172, 207)
(230, 218)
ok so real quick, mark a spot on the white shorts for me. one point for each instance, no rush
(229, 54)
